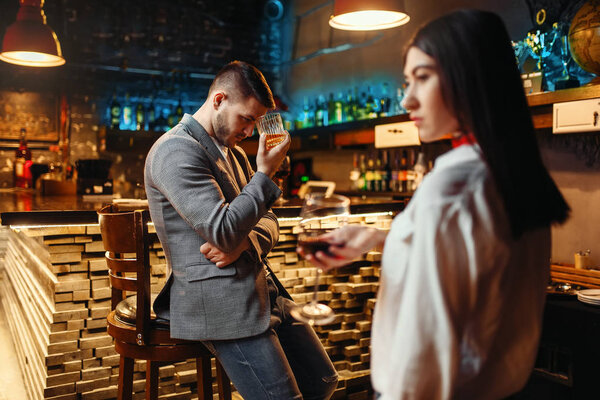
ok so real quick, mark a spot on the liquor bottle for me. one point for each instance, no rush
(178, 112)
(307, 118)
(331, 111)
(420, 169)
(384, 102)
(127, 115)
(398, 108)
(151, 116)
(362, 180)
(410, 176)
(354, 173)
(348, 107)
(371, 104)
(115, 113)
(403, 174)
(386, 173)
(320, 112)
(170, 118)
(22, 165)
(355, 105)
(139, 117)
(377, 174)
(370, 175)
(160, 124)
(394, 182)
(339, 109)
(361, 108)
(167, 118)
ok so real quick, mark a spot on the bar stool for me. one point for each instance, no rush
(137, 332)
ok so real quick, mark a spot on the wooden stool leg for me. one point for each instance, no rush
(125, 386)
(152, 380)
(204, 378)
(223, 382)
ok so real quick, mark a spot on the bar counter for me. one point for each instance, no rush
(54, 288)
(26, 207)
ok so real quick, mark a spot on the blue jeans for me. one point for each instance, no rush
(287, 361)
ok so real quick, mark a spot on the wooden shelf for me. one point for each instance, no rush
(559, 96)
(583, 277)
(541, 103)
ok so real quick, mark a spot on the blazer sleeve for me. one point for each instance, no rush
(265, 235)
(187, 176)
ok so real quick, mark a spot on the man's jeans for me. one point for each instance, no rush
(285, 362)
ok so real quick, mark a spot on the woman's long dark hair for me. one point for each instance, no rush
(481, 84)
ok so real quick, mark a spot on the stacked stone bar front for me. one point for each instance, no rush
(56, 293)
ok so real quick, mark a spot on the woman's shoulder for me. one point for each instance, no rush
(453, 179)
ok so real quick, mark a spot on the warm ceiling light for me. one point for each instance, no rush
(368, 15)
(29, 41)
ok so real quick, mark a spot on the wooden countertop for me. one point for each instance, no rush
(27, 207)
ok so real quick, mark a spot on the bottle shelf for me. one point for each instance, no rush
(347, 134)
(115, 140)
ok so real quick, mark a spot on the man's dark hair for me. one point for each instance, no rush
(245, 79)
(481, 85)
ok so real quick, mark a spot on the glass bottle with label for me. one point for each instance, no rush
(385, 101)
(371, 104)
(386, 173)
(354, 173)
(394, 182)
(403, 175)
(139, 117)
(151, 116)
(127, 115)
(362, 180)
(420, 170)
(22, 166)
(115, 113)
(378, 174)
(178, 112)
(370, 175)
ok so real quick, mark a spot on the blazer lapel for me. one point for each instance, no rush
(237, 170)
(197, 131)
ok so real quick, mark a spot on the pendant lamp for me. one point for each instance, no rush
(29, 41)
(368, 15)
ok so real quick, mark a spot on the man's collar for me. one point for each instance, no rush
(197, 131)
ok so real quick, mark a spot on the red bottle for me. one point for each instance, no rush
(23, 177)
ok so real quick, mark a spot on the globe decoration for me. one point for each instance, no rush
(584, 37)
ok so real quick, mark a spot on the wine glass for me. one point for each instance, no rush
(319, 214)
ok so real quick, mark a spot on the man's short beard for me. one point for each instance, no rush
(220, 130)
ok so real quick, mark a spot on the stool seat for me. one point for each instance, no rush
(125, 312)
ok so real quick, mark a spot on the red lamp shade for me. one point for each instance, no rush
(363, 15)
(29, 41)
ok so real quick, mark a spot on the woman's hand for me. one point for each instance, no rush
(220, 258)
(346, 244)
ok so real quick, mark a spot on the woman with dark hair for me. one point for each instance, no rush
(465, 266)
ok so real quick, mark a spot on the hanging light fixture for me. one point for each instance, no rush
(29, 41)
(368, 15)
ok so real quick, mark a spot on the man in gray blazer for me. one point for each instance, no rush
(212, 215)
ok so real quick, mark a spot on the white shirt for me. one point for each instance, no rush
(223, 149)
(459, 309)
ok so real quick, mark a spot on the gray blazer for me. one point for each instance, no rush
(195, 196)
